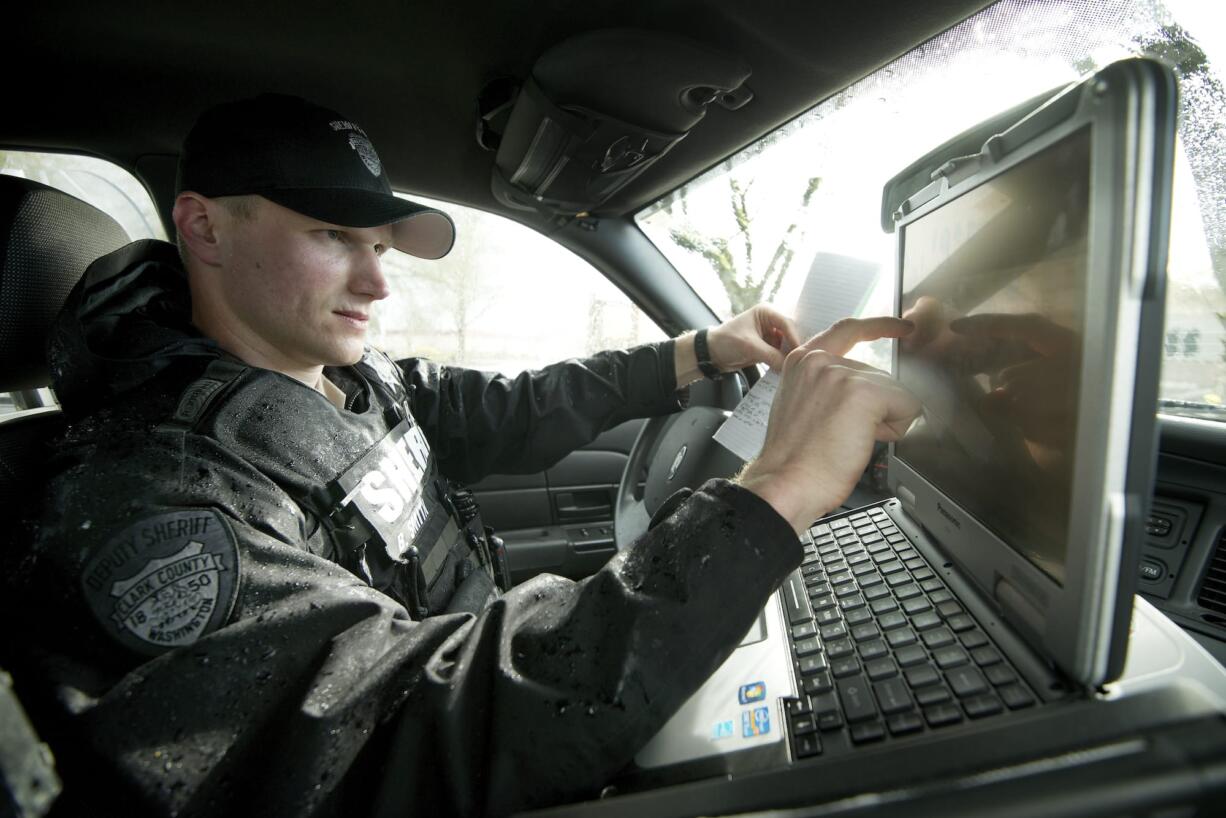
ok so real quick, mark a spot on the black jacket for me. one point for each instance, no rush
(290, 686)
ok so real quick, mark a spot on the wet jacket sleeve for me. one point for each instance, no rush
(480, 423)
(319, 695)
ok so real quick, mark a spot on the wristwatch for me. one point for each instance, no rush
(705, 365)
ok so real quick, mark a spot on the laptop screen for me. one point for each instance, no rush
(995, 280)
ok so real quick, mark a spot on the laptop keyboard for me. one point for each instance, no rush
(881, 647)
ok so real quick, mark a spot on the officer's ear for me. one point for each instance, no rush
(195, 221)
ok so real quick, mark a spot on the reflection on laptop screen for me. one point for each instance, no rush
(995, 281)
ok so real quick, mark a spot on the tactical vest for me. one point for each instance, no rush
(369, 481)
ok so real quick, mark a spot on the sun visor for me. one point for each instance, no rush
(598, 110)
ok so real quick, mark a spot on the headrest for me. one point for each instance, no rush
(47, 239)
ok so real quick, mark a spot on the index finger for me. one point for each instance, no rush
(845, 334)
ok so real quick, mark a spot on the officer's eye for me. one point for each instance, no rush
(336, 235)
(380, 249)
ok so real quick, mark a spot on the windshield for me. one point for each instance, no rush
(808, 195)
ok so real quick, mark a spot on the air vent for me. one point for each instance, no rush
(1213, 590)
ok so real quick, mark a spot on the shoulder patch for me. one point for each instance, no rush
(165, 581)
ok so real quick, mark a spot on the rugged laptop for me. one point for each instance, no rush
(1000, 578)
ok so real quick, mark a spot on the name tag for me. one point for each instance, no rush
(389, 489)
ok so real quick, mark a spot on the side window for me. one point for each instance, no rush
(505, 299)
(102, 184)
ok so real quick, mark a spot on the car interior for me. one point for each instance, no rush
(634, 138)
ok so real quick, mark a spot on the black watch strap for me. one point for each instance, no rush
(708, 369)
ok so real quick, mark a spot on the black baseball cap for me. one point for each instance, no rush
(310, 159)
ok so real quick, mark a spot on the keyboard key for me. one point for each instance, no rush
(1016, 697)
(901, 724)
(869, 580)
(857, 698)
(932, 585)
(890, 619)
(892, 567)
(802, 725)
(878, 546)
(830, 721)
(900, 637)
(799, 707)
(829, 548)
(966, 682)
(839, 648)
(874, 537)
(842, 522)
(852, 602)
(845, 589)
(987, 655)
(812, 664)
(795, 604)
(821, 602)
(911, 655)
(868, 731)
(926, 621)
(859, 518)
(876, 592)
(836, 631)
(947, 657)
(916, 605)
(819, 682)
(1001, 675)
(806, 646)
(847, 538)
(829, 616)
(862, 633)
(879, 669)
(883, 605)
(940, 596)
(948, 609)
(884, 555)
(811, 569)
(862, 569)
(932, 695)
(922, 574)
(907, 554)
(908, 591)
(899, 578)
(893, 696)
(804, 629)
(825, 703)
(938, 638)
(811, 559)
(940, 715)
(914, 563)
(838, 577)
(842, 668)
(808, 746)
(922, 676)
(834, 557)
(973, 639)
(961, 622)
(873, 650)
(979, 706)
(894, 538)
(857, 617)
(816, 586)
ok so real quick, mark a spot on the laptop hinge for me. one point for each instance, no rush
(1020, 611)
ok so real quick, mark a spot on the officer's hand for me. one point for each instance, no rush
(760, 335)
(827, 415)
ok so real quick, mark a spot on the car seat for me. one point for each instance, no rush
(47, 239)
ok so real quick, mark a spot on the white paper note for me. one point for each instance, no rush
(744, 433)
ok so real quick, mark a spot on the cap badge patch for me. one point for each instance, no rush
(367, 151)
(165, 581)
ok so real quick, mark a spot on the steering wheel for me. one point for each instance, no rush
(675, 451)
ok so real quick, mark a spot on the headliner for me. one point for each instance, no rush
(125, 80)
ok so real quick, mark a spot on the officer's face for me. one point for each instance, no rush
(300, 291)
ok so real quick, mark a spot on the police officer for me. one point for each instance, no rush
(256, 589)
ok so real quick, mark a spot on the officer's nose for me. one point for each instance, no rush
(368, 278)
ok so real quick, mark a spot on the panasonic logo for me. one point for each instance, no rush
(957, 523)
